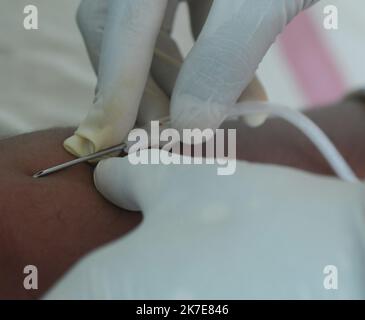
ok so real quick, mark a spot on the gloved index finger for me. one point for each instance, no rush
(91, 19)
(128, 43)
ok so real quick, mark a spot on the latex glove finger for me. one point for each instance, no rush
(91, 19)
(145, 182)
(166, 65)
(136, 187)
(168, 60)
(233, 42)
(131, 29)
(255, 91)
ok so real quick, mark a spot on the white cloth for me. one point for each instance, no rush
(264, 232)
(46, 79)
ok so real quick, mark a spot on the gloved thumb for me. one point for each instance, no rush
(131, 186)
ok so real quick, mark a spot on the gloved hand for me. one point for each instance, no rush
(120, 37)
(248, 235)
(234, 40)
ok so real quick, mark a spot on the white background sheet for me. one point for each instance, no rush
(46, 79)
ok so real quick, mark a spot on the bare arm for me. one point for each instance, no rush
(52, 222)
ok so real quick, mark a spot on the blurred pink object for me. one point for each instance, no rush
(311, 61)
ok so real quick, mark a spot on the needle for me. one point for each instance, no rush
(46, 172)
(163, 124)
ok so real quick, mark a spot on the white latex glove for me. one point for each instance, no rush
(249, 235)
(233, 42)
(120, 37)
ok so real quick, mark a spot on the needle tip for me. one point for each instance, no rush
(38, 175)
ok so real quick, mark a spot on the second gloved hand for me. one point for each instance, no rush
(250, 235)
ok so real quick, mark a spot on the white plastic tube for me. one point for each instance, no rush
(307, 126)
